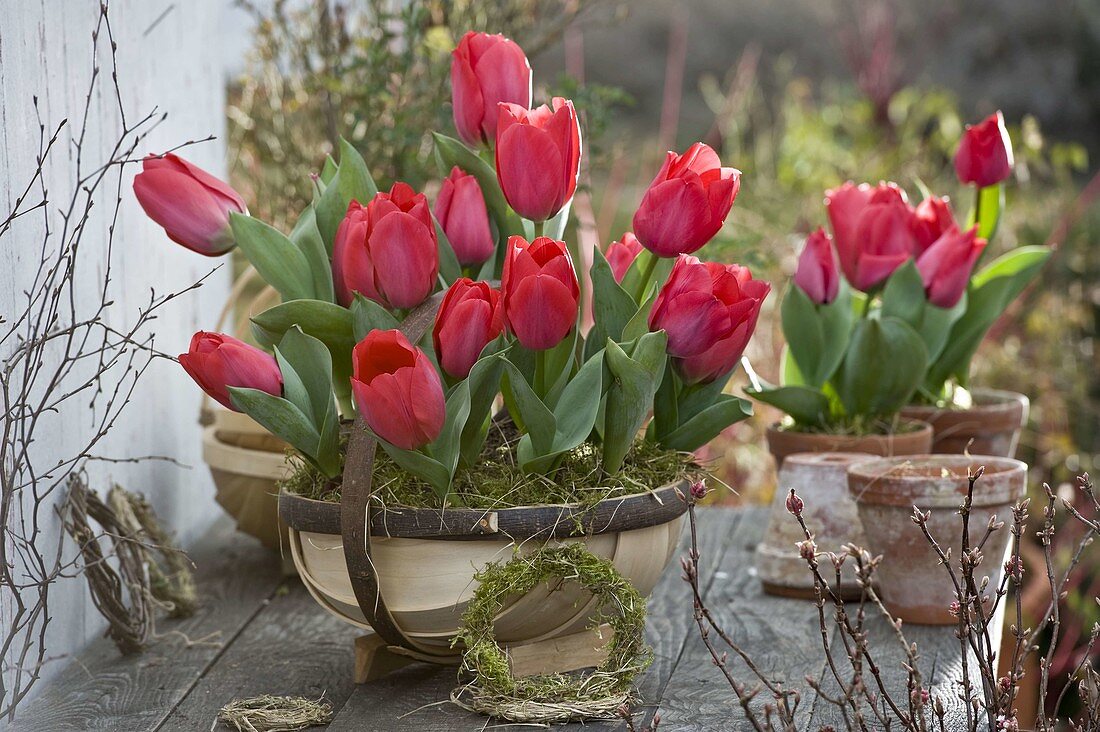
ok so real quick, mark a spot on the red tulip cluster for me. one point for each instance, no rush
(875, 231)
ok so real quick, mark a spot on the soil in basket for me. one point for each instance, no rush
(496, 481)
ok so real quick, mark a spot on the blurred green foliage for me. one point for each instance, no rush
(376, 72)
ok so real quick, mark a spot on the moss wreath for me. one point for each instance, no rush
(556, 697)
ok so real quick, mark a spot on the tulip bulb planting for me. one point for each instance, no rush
(891, 308)
(494, 265)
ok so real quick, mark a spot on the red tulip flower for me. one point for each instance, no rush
(387, 250)
(397, 390)
(541, 292)
(687, 203)
(470, 317)
(817, 274)
(192, 205)
(709, 312)
(460, 210)
(538, 155)
(873, 231)
(931, 219)
(622, 253)
(984, 156)
(217, 361)
(945, 266)
(486, 70)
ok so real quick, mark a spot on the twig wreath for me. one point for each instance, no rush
(556, 697)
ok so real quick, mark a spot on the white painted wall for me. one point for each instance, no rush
(170, 57)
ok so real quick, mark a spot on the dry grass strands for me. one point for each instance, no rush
(269, 713)
(556, 697)
(140, 573)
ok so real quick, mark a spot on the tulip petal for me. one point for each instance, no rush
(667, 221)
(186, 209)
(505, 76)
(541, 311)
(530, 168)
(693, 321)
(405, 260)
(386, 411)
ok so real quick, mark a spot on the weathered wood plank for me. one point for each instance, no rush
(781, 635)
(101, 690)
(415, 698)
(292, 648)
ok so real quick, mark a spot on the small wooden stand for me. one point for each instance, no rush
(586, 649)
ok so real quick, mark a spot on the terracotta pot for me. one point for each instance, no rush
(425, 560)
(993, 423)
(821, 481)
(784, 442)
(913, 584)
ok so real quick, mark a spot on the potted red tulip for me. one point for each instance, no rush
(981, 420)
(405, 329)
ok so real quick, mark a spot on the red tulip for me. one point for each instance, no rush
(541, 292)
(470, 317)
(872, 229)
(817, 274)
(538, 156)
(945, 266)
(486, 70)
(460, 210)
(622, 253)
(984, 156)
(931, 219)
(687, 203)
(397, 390)
(217, 361)
(387, 250)
(709, 312)
(192, 205)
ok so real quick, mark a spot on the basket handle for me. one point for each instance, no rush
(356, 508)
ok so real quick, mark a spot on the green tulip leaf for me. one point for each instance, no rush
(533, 414)
(281, 418)
(312, 362)
(483, 384)
(638, 325)
(805, 405)
(278, 260)
(368, 315)
(817, 335)
(307, 237)
(449, 268)
(707, 424)
(990, 293)
(430, 470)
(352, 181)
(450, 152)
(612, 306)
(885, 364)
(632, 384)
(575, 412)
(903, 296)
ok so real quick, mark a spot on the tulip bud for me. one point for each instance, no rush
(486, 70)
(872, 229)
(192, 205)
(541, 292)
(794, 503)
(817, 274)
(470, 317)
(709, 312)
(687, 203)
(621, 254)
(217, 361)
(460, 209)
(387, 251)
(931, 218)
(397, 390)
(538, 157)
(945, 266)
(984, 156)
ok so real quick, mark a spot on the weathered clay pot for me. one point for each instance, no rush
(993, 423)
(913, 584)
(784, 442)
(821, 481)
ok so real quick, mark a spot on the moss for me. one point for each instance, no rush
(858, 426)
(559, 696)
(496, 481)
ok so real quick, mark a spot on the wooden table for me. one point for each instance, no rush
(259, 633)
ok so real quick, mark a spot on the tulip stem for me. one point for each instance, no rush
(539, 226)
(647, 274)
(540, 374)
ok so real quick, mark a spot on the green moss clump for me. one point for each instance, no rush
(496, 481)
(554, 697)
